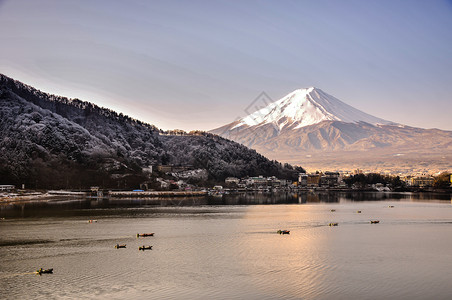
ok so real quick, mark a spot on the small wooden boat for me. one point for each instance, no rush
(358, 211)
(333, 224)
(46, 271)
(391, 206)
(92, 221)
(145, 248)
(374, 221)
(333, 210)
(283, 231)
(145, 234)
(117, 246)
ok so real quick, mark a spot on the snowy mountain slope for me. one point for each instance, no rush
(308, 123)
(306, 107)
(49, 141)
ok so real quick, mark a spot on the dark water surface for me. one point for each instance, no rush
(227, 248)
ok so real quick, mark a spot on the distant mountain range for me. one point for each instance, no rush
(50, 141)
(314, 129)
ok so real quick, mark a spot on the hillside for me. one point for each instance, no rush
(49, 141)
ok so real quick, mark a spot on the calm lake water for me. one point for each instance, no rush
(228, 248)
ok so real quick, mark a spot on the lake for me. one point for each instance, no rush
(227, 247)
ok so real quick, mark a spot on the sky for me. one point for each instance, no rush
(199, 64)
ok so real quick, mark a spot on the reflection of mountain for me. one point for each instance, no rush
(316, 130)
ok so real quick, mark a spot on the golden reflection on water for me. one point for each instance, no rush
(317, 261)
(292, 264)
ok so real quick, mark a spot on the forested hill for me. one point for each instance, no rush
(49, 141)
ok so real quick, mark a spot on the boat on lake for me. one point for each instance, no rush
(145, 248)
(117, 246)
(333, 224)
(374, 221)
(283, 231)
(145, 234)
(44, 271)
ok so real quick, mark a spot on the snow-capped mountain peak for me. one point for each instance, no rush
(304, 107)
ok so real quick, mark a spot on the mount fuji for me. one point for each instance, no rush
(318, 131)
(306, 107)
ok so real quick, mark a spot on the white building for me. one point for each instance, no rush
(232, 180)
(7, 187)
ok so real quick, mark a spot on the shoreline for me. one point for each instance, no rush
(61, 195)
(119, 195)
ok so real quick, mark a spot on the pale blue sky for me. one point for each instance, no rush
(198, 64)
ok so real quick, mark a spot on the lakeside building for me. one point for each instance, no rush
(313, 180)
(422, 181)
(275, 182)
(261, 180)
(232, 180)
(302, 180)
(327, 179)
(7, 187)
(330, 179)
